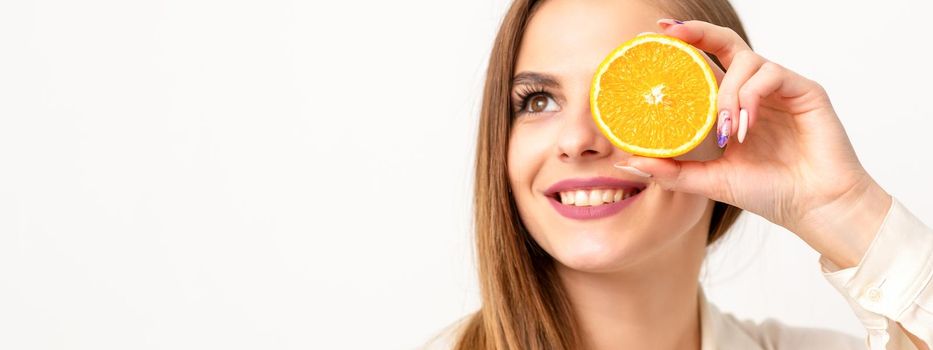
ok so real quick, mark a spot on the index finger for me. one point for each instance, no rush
(722, 42)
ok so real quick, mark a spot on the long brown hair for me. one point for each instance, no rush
(524, 305)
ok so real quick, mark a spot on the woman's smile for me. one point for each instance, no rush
(592, 198)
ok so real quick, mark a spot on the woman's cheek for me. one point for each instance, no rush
(529, 147)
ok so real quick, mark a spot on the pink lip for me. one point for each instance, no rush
(592, 212)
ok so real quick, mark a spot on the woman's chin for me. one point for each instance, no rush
(589, 256)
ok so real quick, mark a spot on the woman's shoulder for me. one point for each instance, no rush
(447, 337)
(772, 334)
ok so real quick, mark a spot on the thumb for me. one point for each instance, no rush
(675, 175)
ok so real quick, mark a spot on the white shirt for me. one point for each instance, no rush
(890, 284)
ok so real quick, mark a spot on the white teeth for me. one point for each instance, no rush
(581, 198)
(607, 196)
(594, 197)
(566, 198)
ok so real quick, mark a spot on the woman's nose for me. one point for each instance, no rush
(579, 138)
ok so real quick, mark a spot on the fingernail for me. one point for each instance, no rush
(743, 124)
(725, 128)
(631, 170)
(667, 22)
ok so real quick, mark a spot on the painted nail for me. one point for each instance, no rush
(678, 22)
(743, 124)
(631, 170)
(725, 128)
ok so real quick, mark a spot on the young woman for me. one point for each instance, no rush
(575, 253)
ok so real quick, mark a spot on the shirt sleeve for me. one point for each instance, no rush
(891, 283)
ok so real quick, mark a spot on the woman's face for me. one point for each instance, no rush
(554, 139)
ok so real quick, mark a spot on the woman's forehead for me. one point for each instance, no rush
(569, 38)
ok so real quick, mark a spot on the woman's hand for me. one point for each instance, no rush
(787, 157)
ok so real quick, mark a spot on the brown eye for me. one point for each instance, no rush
(539, 103)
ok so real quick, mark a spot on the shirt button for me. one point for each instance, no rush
(874, 294)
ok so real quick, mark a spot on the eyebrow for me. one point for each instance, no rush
(535, 78)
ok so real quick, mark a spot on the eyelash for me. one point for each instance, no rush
(523, 94)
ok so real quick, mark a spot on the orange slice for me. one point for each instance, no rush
(654, 96)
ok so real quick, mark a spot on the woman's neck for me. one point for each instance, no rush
(651, 305)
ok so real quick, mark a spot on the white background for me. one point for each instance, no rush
(196, 174)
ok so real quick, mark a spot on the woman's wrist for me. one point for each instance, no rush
(843, 230)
